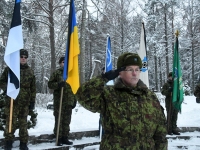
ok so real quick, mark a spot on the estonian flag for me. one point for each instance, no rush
(12, 56)
(71, 69)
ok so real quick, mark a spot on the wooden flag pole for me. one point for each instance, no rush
(11, 112)
(58, 126)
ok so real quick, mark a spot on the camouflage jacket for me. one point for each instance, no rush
(197, 91)
(68, 96)
(27, 91)
(132, 118)
(168, 94)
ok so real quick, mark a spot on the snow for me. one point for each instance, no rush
(84, 120)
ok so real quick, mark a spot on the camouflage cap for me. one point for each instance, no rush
(127, 59)
(61, 59)
(24, 52)
(170, 74)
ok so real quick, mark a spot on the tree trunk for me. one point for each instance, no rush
(51, 37)
(166, 41)
(82, 44)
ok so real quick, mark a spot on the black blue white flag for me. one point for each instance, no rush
(12, 52)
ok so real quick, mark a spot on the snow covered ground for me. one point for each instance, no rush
(83, 120)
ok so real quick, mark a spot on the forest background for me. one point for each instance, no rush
(45, 24)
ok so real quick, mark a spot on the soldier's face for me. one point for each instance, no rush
(130, 76)
(62, 64)
(170, 78)
(23, 59)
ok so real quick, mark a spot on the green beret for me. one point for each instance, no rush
(24, 52)
(170, 74)
(128, 59)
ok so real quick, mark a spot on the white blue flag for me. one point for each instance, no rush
(143, 55)
(108, 63)
(12, 53)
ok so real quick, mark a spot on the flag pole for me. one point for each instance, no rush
(60, 108)
(11, 112)
(177, 33)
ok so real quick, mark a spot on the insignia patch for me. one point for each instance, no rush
(135, 59)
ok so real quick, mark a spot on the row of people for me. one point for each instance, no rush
(131, 114)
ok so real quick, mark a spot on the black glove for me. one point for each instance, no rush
(61, 84)
(31, 106)
(74, 105)
(170, 89)
(112, 74)
(4, 92)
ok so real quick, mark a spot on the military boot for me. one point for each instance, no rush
(23, 146)
(8, 145)
(169, 132)
(59, 142)
(175, 132)
(66, 141)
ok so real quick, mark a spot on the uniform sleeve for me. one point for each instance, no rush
(161, 131)
(53, 83)
(89, 95)
(33, 89)
(197, 91)
(4, 79)
(165, 90)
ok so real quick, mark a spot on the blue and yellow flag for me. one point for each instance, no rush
(11, 57)
(177, 98)
(71, 69)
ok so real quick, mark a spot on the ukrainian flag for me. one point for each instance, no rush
(71, 69)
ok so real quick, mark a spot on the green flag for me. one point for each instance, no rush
(177, 98)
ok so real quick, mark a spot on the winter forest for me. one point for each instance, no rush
(45, 25)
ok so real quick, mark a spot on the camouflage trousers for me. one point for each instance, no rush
(65, 121)
(19, 121)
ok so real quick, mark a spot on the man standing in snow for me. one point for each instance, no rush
(24, 103)
(68, 103)
(132, 115)
(197, 92)
(172, 113)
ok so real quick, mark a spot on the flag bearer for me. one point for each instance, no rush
(24, 102)
(68, 103)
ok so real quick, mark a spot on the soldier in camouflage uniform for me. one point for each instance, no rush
(68, 103)
(172, 113)
(24, 102)
(133, 118)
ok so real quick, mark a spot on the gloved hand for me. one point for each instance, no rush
(4, 92)
(170, 89)
(31, 106)
(61, 84)
(74, 105)
(112, 74)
